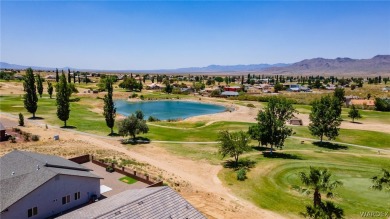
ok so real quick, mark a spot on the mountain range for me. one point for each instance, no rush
(379, 64)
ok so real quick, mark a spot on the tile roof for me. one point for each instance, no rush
(362, 102)
(146, 203)
(22, 172)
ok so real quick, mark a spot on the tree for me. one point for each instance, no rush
(132, 126)
(271, 127)
(339, 93)
(30, 98)
(325, 118)
(218, 79)
(39, 85)
(57, 77)
(49, 89)
(278, 87)
(109, 106)
(62, 99)
(319, 180)
(381, 182)
(354, 113)
(168, 88)
(21, 119)
(74, 77)
(69, 78)
(326, 210)
(233, 144)
(139, 114)
(382, 104)
(368, 96)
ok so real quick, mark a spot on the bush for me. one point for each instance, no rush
(17, 130)
(35, 137)
(110, 169)
(134, 95)
(241, 174)
(13, 139)
(21, 119)
(142, 97)
(153, 119)
(26, 136)
(250, 105)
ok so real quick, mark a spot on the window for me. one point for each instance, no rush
(32, 211)
(77, 196)
(65, 199)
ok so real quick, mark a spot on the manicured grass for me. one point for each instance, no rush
(271, 182)
(181, 124)
(82, 118)
(360, 137)
(202, 134)
(128, 180)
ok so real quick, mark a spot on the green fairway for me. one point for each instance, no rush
(271, 183)
(82, 118)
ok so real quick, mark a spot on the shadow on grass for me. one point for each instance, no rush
(36, 118)
(330, 145)
(281, 155)
(357, 122)
(68, 127)
(137, 140)
(261, 148)
(113, 134)
(242, 163)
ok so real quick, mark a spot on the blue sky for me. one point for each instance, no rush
(121, 35)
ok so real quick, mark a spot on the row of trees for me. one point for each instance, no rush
(62, 98)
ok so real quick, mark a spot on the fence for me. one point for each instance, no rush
(122, 170)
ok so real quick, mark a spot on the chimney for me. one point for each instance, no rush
(13, 173)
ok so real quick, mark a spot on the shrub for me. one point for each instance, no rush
(26, 136)
(241, 174)
(153, 119)
(17, 130)
(110, 169)
(250, 105)
(21, 119)
(142, 97)
(134, 95)
(13, 139)
(35, 137)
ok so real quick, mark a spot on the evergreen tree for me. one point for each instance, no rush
(30, 98)
(74, 77)
(69, 78)
(49, 89)
(325, 118)
(39, 85)
(57, 77)
(21, 119)
(62, 98)
(339, 93)
(109, 106)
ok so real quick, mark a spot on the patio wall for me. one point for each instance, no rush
(122, 170)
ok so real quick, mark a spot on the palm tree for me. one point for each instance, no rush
(319, 181)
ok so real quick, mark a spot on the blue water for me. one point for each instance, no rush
(164, 110)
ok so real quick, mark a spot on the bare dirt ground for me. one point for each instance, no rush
(197, 181)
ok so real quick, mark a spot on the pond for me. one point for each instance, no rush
(164, 110)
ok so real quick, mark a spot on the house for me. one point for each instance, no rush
(34, 185)
(386, 89)
(349, 98)
(229, 94)
(154, 86)
(50, 77)
(362, 102)
(3, 135)
(233, 88)
(152, 202)
(294, 88)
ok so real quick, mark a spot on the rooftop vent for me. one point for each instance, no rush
(38, 167)
(13, 173)
(140, 203)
